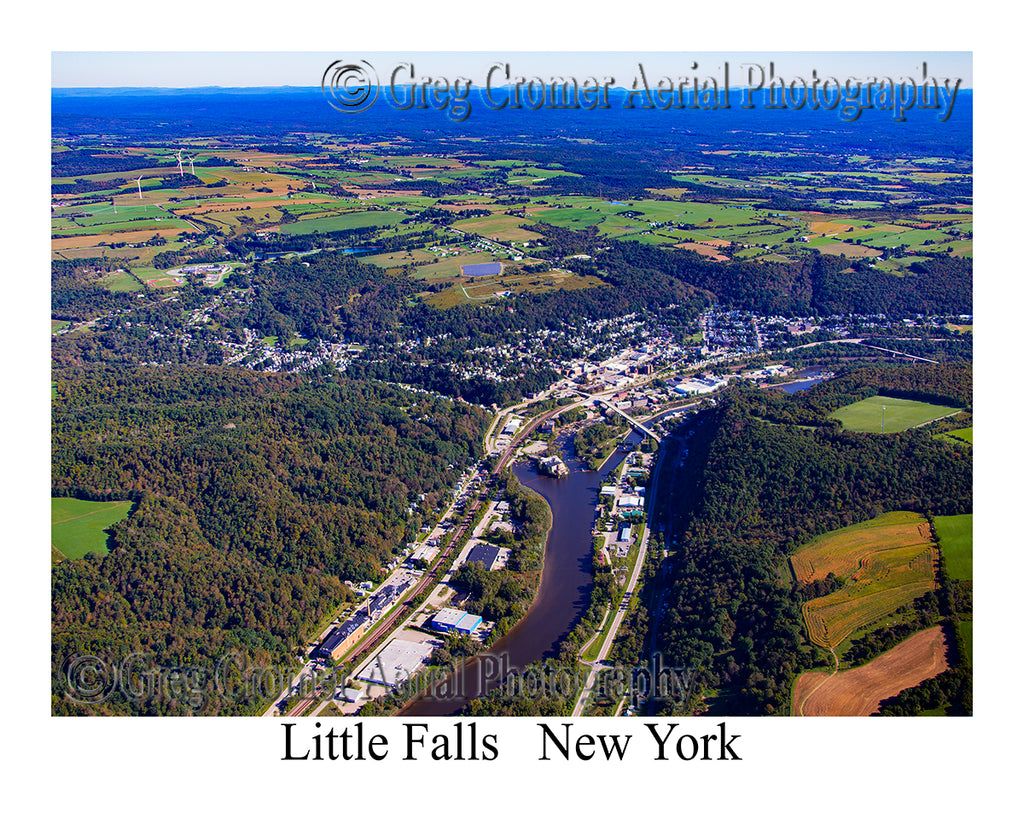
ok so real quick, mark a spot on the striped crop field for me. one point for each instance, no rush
(884, 563)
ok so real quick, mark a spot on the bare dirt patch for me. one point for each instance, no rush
(705, 250)
(858, 692)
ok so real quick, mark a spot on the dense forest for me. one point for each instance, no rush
(754, 489)
(267, 481)
(164, 598)
(818, 284)
(76, 295)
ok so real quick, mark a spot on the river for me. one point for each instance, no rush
(808, 378)
(565, 585)
(564, 592)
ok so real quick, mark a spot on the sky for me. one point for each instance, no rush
(185, 69)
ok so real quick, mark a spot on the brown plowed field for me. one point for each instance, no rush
(857, 692)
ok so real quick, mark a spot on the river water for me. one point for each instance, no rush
(564, 591)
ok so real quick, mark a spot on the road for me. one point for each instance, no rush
(623, 608)
(385, 627)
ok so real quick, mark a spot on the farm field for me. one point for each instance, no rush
(399, 258)
(77, 526)
(346, 221)
(885, 563)
(899, 414)
(956, 540)
(499, 227)
(842, 551)
(858, 691)
(965, 435)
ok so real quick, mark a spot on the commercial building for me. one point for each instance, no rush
(484, 553)
(396, 663)
(342, 638)
(456, 620)
(553, 466)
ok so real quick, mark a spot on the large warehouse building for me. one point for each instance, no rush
(398, 661)
(456, 620)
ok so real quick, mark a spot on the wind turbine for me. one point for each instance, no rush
(180, 171)
(139, 183)
(191, 167)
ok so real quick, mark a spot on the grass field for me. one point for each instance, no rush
(960, 436)
(346, 221)
(78, 527)
(966, 630)
(885, 563)
(899, 414)
(956, 539)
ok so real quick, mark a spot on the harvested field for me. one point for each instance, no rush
(844, 550)
(883, 563)
(705, 249)
(857, 692)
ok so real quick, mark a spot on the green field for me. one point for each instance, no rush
(900, 414)
(966, 630)
(965, 435)
(956, 539)
(346, 221)
(78, 527)
(399, 258)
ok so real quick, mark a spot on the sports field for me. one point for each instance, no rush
(885, 563)
(78, 527)
(881, 414)
(956, 539)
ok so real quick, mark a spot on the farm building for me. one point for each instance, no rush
(456, 620)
